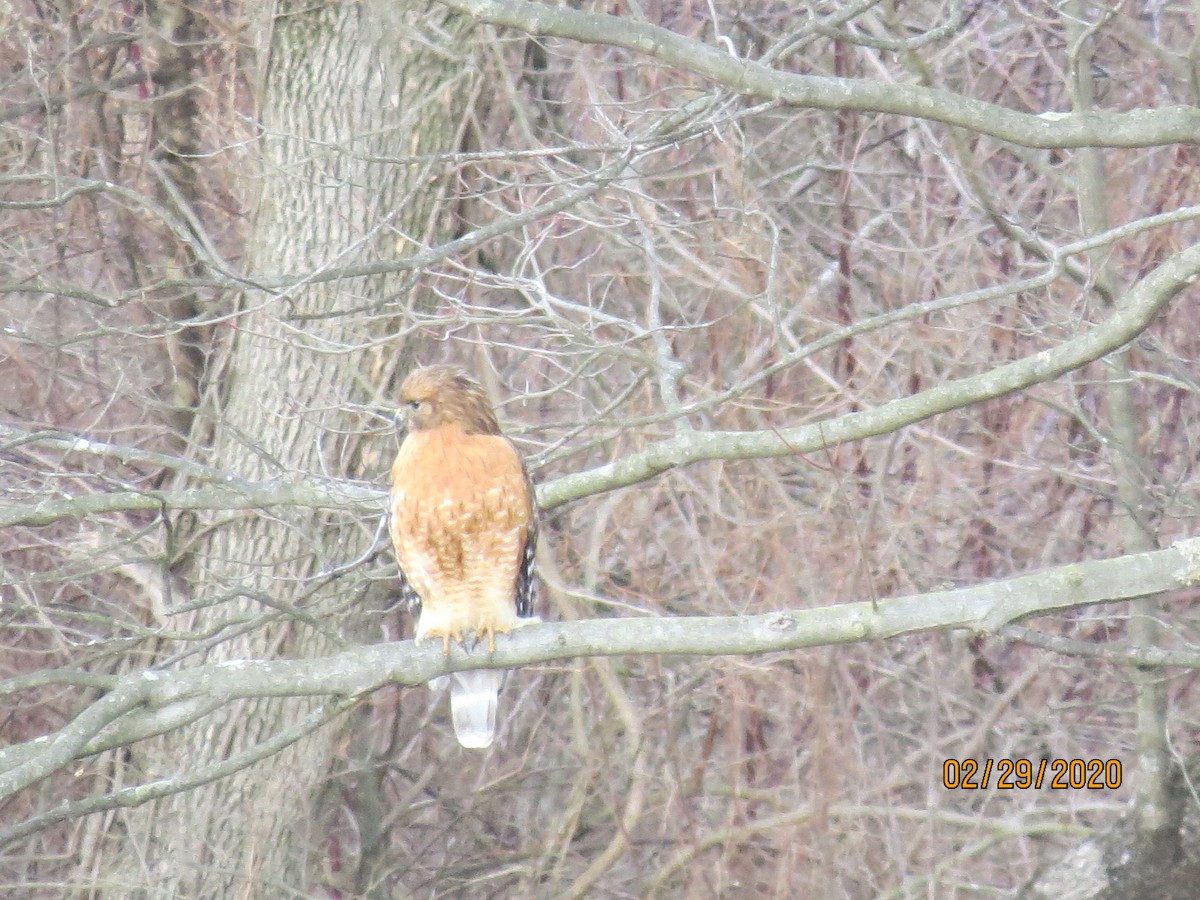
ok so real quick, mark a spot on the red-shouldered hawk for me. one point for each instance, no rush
(464, 529)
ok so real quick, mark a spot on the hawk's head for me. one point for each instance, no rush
(446, 395)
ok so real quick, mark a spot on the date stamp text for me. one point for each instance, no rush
(1022, 774)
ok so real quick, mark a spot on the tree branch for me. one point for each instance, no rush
(153, 695)
(58, 101)
(313, 492)
(1140, 305)
(1118, 654)
(144, 793)
(1137, 128)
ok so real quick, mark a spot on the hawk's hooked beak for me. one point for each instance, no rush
(403, 418)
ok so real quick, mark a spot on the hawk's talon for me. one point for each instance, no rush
(491, 631)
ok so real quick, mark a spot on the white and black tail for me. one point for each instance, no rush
(474, 696)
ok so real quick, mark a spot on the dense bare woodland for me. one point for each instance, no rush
(851, 346)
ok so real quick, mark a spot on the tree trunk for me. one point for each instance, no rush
(343, 85)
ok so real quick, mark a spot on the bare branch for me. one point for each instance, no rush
(144, 793)
(313, 492)
(58, 101)
(1141, 304)
(1138, 128)
(1126, 654)
(983, 608)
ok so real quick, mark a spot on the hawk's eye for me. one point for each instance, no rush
(413, 404)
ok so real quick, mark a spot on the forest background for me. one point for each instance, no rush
(851, 346)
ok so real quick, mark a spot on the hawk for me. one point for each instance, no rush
(464, 530)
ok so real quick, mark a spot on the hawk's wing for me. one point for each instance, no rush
(527, 593)
(408, 594)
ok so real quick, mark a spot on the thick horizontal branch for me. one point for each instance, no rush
(142, 700)
(1136, 128)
